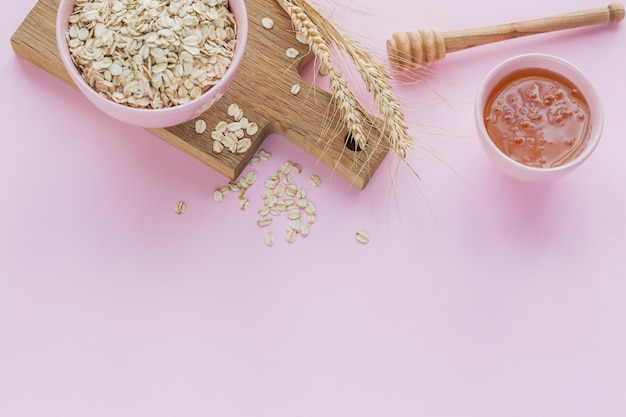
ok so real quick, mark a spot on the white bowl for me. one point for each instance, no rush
(153, 118)
(516, 169)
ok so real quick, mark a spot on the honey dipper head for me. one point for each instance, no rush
(414, 49)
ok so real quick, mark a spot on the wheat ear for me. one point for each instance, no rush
(375, 77)
(349, 108)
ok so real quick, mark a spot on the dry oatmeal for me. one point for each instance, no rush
(152, 53)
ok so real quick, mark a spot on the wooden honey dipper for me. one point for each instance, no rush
(412, 49)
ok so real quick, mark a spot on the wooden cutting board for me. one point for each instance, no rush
(262, 88)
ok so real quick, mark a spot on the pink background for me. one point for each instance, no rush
(477, 296)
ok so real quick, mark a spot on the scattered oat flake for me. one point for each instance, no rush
(233, 126)
(294, 214)
(222, 126)
(200, 126)
(362, 237)
(243, 145)
(264, 155)
(217, 147)
(295, 89)
(243, 183)
(292, 52)
(291, 190)
(238, 115)
(180, 207)
(269, 239)
(232, 109)
(264, 221)
(287, 167)
(251, 177)
(267, 23)
(315, 180)
(233, 185)
(252, 129)
(218, 195)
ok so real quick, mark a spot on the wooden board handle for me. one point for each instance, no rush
(423, 47)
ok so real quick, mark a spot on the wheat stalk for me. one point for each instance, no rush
(349, 108)
(373, 74)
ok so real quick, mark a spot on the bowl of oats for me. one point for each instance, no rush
(152, 63)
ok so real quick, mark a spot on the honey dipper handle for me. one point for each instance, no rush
(463, 39)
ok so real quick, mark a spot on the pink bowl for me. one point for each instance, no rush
(153, 118)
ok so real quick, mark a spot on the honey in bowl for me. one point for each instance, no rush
(538, 118)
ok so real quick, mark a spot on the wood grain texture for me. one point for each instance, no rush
(262, 88)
